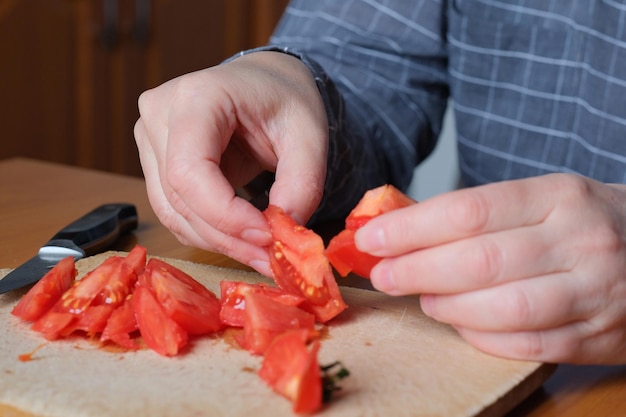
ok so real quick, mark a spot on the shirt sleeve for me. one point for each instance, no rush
(381, 70)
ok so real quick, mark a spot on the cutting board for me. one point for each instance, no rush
(402, 363)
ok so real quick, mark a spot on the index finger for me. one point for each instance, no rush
(459, 214)
(200, 127)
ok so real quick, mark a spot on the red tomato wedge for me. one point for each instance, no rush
(45, 293)
(376, 202)
(189, 303)
(341, 251)
(292, 370)
(300, 267)
(160, 332)
(266, 318)
(120, 325)
(91, 289)
(52, 324)
(233, 303)
(92, 321)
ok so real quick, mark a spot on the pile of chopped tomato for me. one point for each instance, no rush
(129, 299)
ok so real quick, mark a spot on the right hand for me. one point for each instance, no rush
(203, 135)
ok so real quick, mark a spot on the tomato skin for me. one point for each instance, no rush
(266, 318)
(190, 304)
(300, 267)
(341, 251)
(160, 332)
(292, 370)
(45, 293)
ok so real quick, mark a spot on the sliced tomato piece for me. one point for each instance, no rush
(186, 301)
(136, 259)
(122, 280)
(45, 293)
(92, 321)
(345, 257)
(266, 318)
(180, 275)
(83, 293)
(292, 370)
(120, 325)
(53, 324)
(376, 202)
(158, 330)
(341, 251)
(300, 267)
(233, 303)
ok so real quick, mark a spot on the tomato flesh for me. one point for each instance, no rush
(300, 267)
(120, 325)
(292, 370)
(52, 324)
(45, 293)
(341, 251)
(376, 202)
(160, 332)
(344, 256)
(233, 303)
(186, 301)
(266, 318)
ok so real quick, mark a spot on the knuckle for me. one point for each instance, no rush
(139, 131)
(532, 346)
(573, 188)
(485, 262)
(606, 239)
(145, 102)
(178, 175)
(518, 309)
(470, 213)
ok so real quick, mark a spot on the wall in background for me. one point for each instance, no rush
(440, 171)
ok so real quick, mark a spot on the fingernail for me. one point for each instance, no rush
(427, 302)
(370, 239)
(257, 237)
(382, 278)
(262, 267)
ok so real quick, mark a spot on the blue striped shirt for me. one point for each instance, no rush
(538, 86)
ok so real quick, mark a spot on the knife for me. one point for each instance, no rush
(92, 233)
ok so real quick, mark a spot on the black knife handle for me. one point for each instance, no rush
(98, 229)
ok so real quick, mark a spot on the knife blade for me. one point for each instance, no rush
(92, 233)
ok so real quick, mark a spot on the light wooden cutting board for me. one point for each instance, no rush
(402, 364)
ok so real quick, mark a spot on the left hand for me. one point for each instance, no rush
(531, 269)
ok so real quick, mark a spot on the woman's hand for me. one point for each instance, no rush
(531, 269)
(202, 135)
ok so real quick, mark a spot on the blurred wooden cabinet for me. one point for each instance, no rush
(71, 70)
